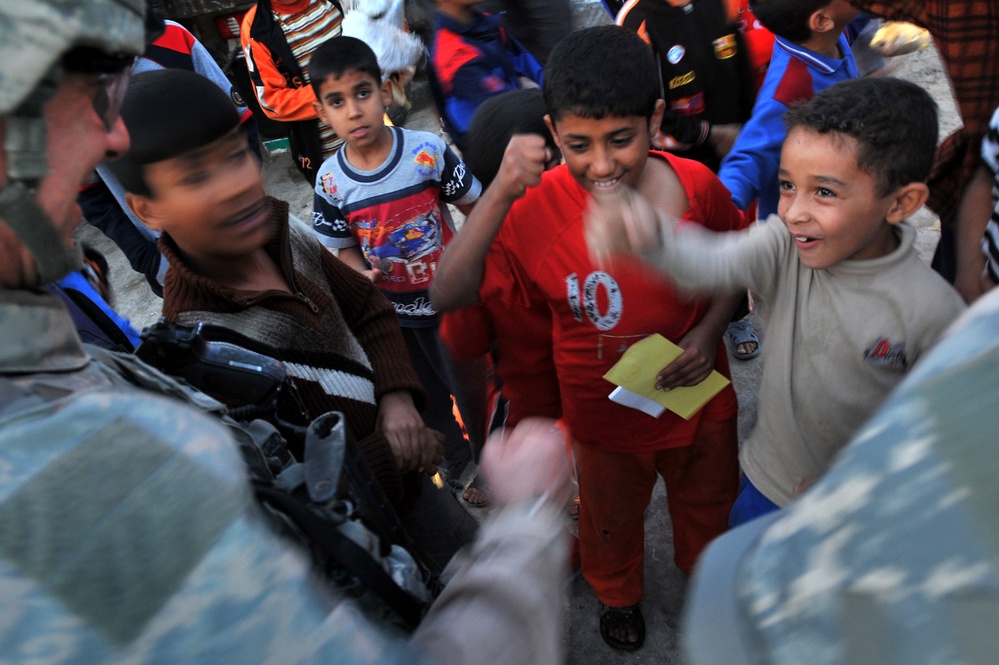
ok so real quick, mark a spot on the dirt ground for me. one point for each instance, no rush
(665, 584)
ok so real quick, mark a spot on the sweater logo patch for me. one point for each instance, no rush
(886, 354)
(693, 105)
(683, 79)
(725, 47)
(675, 54)
(426, 162)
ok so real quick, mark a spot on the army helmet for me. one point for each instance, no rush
(38, 37)
(34, 35)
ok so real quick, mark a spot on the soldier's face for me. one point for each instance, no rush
(77, 139)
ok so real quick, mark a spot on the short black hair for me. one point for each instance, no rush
(342, 54)
(893, 121)
(169, 112)
(787, 18)
(495, 121)
(599, 72)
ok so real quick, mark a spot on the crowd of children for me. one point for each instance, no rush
(605, 208)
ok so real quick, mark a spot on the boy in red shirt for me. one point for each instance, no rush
(522, 244)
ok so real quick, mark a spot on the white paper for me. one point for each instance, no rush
(625, 397)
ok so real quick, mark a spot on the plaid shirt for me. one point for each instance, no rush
(967, 34)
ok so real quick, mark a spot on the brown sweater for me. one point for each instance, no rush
(337, 335)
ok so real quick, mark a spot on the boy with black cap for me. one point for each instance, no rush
(259, 279)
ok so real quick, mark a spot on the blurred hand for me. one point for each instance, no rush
(530, 460)
(620, 223)
(722, 138)
(899, 38)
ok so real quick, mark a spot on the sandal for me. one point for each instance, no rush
(627, 617)
(741, 332)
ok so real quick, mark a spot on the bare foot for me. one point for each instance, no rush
(475, 496)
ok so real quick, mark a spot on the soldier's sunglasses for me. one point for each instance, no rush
(114, 72)
(110, 94)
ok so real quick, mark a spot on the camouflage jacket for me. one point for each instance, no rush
(128, 533)
(127, 529)
(893, 556)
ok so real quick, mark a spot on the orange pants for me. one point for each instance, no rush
(702, 481)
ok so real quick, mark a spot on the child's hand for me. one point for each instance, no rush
(432, 447)
(374, 274)
(413, 445)
(523, 163)
(621, 223)
(693, 365)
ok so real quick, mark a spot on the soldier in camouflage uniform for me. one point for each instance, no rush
(892, 557)
(127, 529)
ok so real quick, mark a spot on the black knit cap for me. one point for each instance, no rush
(169, 112)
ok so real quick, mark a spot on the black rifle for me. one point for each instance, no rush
(341, 485)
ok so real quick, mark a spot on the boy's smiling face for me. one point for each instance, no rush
(353, 104)
(210, 200)
(833, 209)
(605, 154)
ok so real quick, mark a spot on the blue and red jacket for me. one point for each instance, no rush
(471, 63)
(177, 48)
(796, 74)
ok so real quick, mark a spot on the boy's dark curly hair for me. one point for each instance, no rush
(599, 72)
(893, 121)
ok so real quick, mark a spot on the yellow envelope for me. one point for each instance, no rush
(635, 374)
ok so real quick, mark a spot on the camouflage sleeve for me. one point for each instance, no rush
(130, 534)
